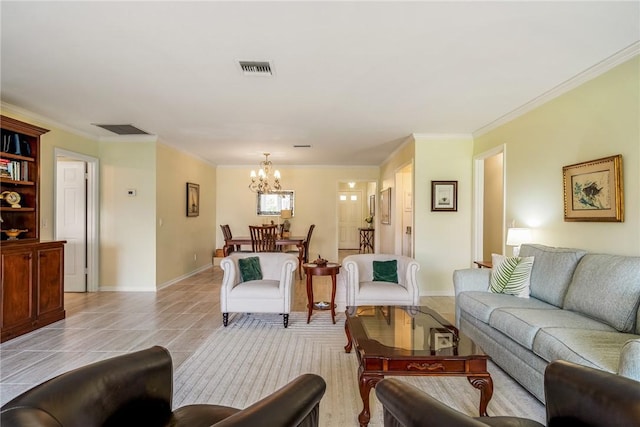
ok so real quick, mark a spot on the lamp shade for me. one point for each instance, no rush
(518, 236)
(285, 213)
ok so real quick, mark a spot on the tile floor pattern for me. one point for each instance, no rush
(104, 324)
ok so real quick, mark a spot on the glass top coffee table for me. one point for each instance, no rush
(403, 340)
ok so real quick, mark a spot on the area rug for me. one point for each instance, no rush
(255, 355)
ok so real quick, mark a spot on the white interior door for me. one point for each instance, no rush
(71, 222)
(350, 218)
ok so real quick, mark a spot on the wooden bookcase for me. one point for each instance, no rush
(31, 271)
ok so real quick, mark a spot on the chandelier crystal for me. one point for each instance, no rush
(264, 181)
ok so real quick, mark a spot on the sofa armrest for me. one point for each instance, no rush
(352, 281)
(629, 365)
(471, 279)
(580, 395)
(295, 404)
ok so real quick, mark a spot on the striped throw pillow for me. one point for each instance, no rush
(511, 275)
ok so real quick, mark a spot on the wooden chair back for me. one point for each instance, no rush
(263, 238)
(306, 243)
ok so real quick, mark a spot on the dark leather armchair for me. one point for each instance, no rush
(576, 396)
(136, 390)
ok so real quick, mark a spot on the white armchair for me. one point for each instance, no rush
(272, 294)
(362, 290)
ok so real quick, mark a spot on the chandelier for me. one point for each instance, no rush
(263, 182)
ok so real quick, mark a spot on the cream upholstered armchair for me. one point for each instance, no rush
(364, 289)
(260, 282)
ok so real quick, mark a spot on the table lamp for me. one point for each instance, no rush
(516, 237)
(286, 225)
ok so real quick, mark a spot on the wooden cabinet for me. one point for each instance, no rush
(31, 271)
(32, 292)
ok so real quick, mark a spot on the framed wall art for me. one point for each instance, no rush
(372, 205)
(385, 206)
(193, 199)
(444, 196)
(593, 190)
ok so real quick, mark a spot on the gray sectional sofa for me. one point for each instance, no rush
(583, 308)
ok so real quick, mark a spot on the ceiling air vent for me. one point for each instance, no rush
(123, 129)
(256, 68)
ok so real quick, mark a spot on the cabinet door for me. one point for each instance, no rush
(50, 280)
(17, 289)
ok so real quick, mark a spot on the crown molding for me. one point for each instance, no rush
(590, 73)
(440, 136)
(46, 121)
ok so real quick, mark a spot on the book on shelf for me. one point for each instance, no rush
(13, 169)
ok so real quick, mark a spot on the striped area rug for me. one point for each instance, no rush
(255, 355)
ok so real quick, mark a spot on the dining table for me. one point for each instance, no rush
(281, 244)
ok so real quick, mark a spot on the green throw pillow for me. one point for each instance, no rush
(250, 268)
(511, 275)
(385, 271)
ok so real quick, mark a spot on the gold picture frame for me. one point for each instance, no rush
(593, 190)
(193, 199)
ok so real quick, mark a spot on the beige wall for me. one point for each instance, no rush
(127, 232)
(184, 244)
(386, 234)
(442, 239)
(315, 189)
(597, 119)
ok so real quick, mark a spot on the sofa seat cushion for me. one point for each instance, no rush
(522, 324)
(598, 349)
(384, 292)
(258, 289)
(481, 304)
(552, 271)
(607, 287)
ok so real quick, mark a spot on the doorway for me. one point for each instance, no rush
(353, 207)
(489, 205)
(76, 218)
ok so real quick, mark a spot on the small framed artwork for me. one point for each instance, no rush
(193, 199)
(593, 190)
(441, 339)
(385, 206)
(444, 196)
(372, 205)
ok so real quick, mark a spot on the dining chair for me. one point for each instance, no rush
(305, 254)
(226, 232)
(263, 238)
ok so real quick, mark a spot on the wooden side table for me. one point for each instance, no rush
(329, 269)
(367, 240)
(483, 264)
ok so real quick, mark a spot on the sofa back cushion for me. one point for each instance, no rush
(607, 287)
(552, 271)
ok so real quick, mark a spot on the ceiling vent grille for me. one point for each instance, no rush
(123, 129)
(256, 68)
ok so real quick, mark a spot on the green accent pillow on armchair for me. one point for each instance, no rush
(385, 271)
(250, 269)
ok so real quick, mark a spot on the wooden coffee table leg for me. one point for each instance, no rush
(485, 385)
(347, 348)
(367, 382)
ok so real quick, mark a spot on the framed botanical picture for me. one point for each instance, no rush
(193, 199)
(372, 205)
(593, 190)
(385, 206)
(444, 196)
